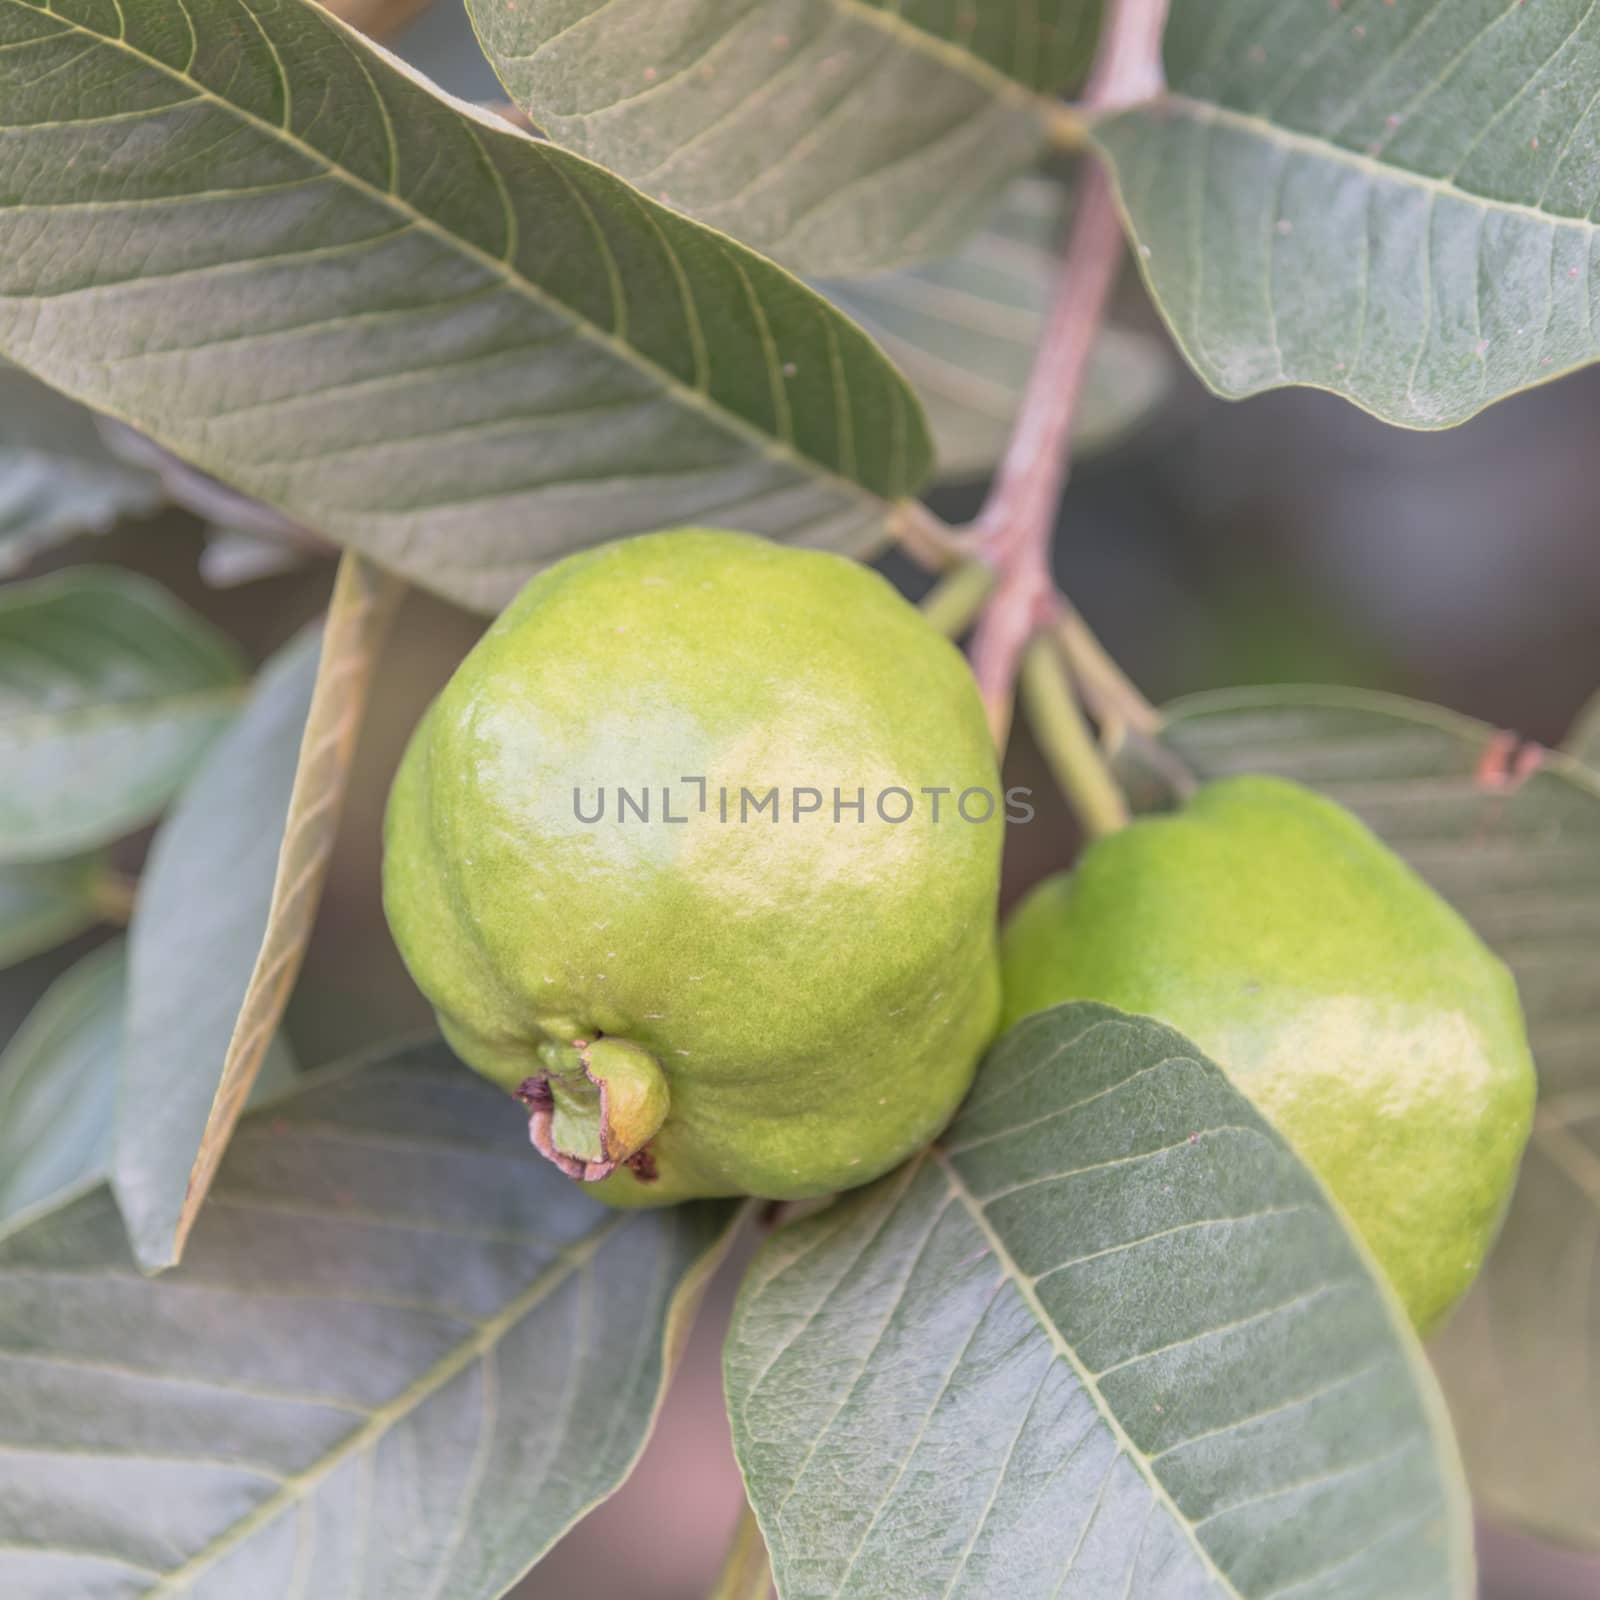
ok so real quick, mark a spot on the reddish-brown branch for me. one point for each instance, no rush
(1012, 533)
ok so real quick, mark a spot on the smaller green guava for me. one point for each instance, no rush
(698, 854)
(1352, 1004)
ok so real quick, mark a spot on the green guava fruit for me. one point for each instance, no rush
(1357, 1010)
(698, 854)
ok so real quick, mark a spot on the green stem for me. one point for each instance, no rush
(952, 605)
(1112, 695)
(746, 1573)
(1068, 745)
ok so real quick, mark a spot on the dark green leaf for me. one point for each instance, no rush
(57, 479)
(1395, 202)
(203, 905)
(44, 903)
(238, 227)
(1108, 1338)
(110, 692)
(402, 1356)
(842, 136)
(1519, 856)
(965, 332)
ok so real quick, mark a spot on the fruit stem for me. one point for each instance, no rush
(1066, 742)
(1109, 693)
(958, 597)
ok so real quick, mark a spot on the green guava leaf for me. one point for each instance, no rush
(227, 908)
(965, 331)
(194, 944)
(58, 1088)
(402, 1357)
(362, 607)
(1394, 202)
(841, 136)
(110, 694)
(57, 478)
(1108, 1337)
(1519, 857)
(266, 244)
(1584, 739)
(44, 903)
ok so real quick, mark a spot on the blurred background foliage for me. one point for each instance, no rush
(1284, 539)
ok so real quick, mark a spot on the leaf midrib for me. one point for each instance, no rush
(296, 1486)
(984, 73)
(1328, 149)
(518, 282)
(1024, 1286)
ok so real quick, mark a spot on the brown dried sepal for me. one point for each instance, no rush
(535, 1094)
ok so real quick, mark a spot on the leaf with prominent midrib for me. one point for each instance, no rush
(195, 943)
(360, 612)
(403, 1356)
(1396, 202)
(1108, 1338)
(240, 228)
(110, 692)
(1514, 844)
(966, 330)
(841, 136)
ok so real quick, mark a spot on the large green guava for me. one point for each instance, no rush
(699, 987)
(1336, 988)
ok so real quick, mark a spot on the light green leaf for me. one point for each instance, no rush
(1511, 836)
(194, 943)
(966, 330)
(243, 230)
(232, 559)
(1584, 739)
(402, 1357)
(58, 1089)
(841, 136)
(1394, 202)
(1108, 1338)
(44, 903)
(362, 607)
(57, 479)
(110, 692)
